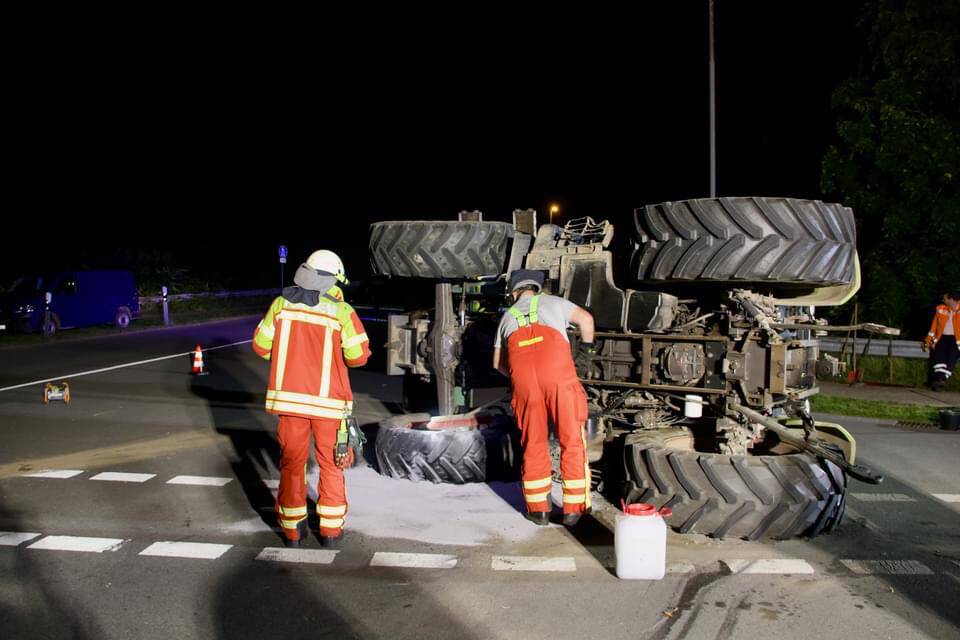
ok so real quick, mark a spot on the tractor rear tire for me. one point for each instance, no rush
(745, 242)
(452, 456)
(439, 249)
(750, 497)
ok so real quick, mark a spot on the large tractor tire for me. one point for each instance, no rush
(440, 249)
(750, 497)
(784, 241)
(451, 455)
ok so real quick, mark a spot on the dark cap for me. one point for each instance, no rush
(523, 277)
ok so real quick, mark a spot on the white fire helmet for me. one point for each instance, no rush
(329, 262)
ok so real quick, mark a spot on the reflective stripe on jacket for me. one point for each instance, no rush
(940, 319)
(310, 348)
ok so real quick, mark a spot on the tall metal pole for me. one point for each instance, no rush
(713, 108)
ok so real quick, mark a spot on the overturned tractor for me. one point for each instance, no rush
(698, 392)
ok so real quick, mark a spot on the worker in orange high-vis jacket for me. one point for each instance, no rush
(543, 375)
(943, 337)
(311, 336)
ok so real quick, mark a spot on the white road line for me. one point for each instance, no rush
(533, 563)
(271, 483)
(197, 550)
(947, 497)
(791, 566)
(887, 567)
(54, 473)
(14, 538)
(883, 497)
(77, 543)
(304, 556)
(67, 376)
(207, 481)
(413, 560)
(116, 476)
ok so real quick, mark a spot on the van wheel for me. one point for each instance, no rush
(123, 318)
(51, 326)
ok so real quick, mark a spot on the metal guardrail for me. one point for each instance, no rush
(876, 347)
(213, 294)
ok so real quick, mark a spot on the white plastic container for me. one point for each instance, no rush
(640, 542)
(693, 406)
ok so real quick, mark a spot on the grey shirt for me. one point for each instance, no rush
(553, 312)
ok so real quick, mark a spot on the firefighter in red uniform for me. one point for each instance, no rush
(311, 336)
(543, 375)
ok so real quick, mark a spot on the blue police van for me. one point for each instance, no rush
(77, 299)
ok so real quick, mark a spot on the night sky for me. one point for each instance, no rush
(217, 136)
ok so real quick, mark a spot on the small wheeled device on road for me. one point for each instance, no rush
(56, 392)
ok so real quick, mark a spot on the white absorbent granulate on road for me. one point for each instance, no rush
(115, 476)
(883, 497)
(413, 560)
(772, 566)
(461, 515)
(77, 543)
(196, 550)
(887, 567)
(200, 481)
(533, 563)
(55, 473)
(14, 538)
(303, 556)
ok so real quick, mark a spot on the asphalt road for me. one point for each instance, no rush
(198, 558)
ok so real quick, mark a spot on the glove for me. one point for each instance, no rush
(925, 345)
(584, 359)
(342, 454)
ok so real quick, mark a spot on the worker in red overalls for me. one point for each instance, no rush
(311, 336)
(543, 375)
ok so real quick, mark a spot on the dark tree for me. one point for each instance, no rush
(897, 160)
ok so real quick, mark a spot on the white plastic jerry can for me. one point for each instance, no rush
(640, 542)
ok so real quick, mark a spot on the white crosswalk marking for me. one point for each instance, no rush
(14, 538)
(304, 556)
(770, 566)
(77, 543)
(54, 473)
(533, 563)
(887, 567)
(947, 497)
(114, 476)
(197, 550)
(208, 481)
(883, 497)
(413, 560)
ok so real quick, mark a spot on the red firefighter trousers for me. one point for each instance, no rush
(546, 390)
(291, 506)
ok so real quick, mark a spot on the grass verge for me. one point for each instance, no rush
(874, 409)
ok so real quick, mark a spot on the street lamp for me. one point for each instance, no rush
(554, 208)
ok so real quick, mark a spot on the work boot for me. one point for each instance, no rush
(301, 536)
(539, 518)
(331, 542)
(571, 519)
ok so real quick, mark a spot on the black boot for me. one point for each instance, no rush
(539, 518)
(331, 542)
(301, 533)
(571, 519)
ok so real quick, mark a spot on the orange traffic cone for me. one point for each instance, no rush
(197, 368)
